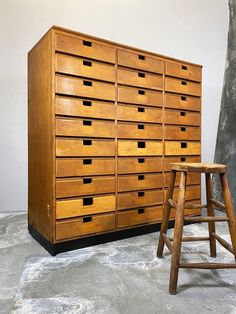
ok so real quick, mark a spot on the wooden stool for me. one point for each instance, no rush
(175, 248)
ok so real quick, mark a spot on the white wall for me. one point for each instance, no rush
(195, 30)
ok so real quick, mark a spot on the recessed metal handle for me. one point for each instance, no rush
(87, 219)
(141, 144)
(141, 177)
(140, 109)
(141, 160)
(87, 43)
(140, 126)
(140, 194)
(184, 67)
(183, 129)
(141, 92)
(141, 211)
(88, 83)
(141, 57)
(87, 201)
(87, 142)
(183, 145)
(87, 180)
(87, 161)
(87, 63)
(87, 122)
(184, 83)
(87, 103)
(141, 74)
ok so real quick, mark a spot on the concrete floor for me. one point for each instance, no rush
(119, 277)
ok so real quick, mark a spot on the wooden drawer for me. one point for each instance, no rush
(85, 47)
(139, 148)
(139, 216)
(86, 68)
(85, 206)
(86, 147)
(193, 192)
(84, 88)
(182, 148)
(140, 79)
(85, 127)
(73, 228)
(139, 114)
(139, 182)
(75, 167)
(182, 102)
(84, 186)
(182, 86)
(183, 70)
(140, 61)
(188, 212)
(140, 96)
(169, 160)
(139, 131)
(67, 106)
(182, 117)
(192, 178)
(139, 199)
(182, 133)
(139, 165)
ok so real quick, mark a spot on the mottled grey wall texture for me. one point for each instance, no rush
(226, 137)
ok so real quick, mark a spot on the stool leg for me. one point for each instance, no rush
(166, 214)
(210, 212)
(229, 210)
(178, 232)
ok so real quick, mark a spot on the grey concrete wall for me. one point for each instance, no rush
(226, 137)
(194, 30)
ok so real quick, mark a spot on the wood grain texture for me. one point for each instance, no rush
(182, 133)
(182, 148)
(139, 164)
(182, 86)
(182, 102)
(182, 117)
(169, 160)
(139, 131)
(184, 71)
(139, 182)
(139, 114)
(140, 148)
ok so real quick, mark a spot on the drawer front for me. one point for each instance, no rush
(140, 79)
(84, 88)
(182, 148)
(140, 96)
(142, 131)
(182, 102)
(83, 226)
(139, 216)
(75, 167)
(139, 114)
(84, 186)
(192, 178)
(139, 182)
(193, 192)
(140, 61)
(87, 147)
(84, 108)
(188, 212)
(169, 160)
(82, 67)
(139, 165)
(182, 117)
(85, 47)
(139, 199)
(139, 148)
(85, 127)
(85, 206)
(182, 133)
(182, 86)
(183, 70)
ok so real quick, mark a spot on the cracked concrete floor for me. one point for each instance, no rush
(118, 277)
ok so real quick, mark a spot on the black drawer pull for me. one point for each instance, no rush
(183, 129)
(87, 161)
(86, 122)
(141, 126)
(184, 67)
(87, 180)
(87, 142)
(88, 83)
(183, 98)
(87, 43)
(140, 194)
(141, 144)
(141, 211)
(141, 92)
(182, 113)
(141, 57)
(141, 160)
(182, 159)
(140, 109)
(141, 74)
(141, 177)
(183, 145)
(87, 103)
(184, 83)
(87, 201)
(87, 219)
(87, 63)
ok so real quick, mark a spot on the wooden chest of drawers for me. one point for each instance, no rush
(105, 123)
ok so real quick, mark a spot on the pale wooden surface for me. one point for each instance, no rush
(199, 167)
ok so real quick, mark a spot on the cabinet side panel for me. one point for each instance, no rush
(41, 139)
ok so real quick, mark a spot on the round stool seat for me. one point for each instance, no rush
(199, 167)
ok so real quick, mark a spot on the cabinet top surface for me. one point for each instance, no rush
(118, 45)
